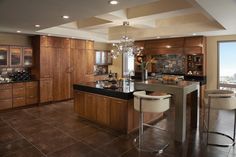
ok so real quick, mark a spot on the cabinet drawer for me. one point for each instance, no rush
(5, 94)
(18, 85)
(5, 86)
(31, 100)
(20, 101)
(32, 84)
(5, 104)
(18, 92)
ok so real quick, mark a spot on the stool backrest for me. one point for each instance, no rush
(221, 99)
(150, 103)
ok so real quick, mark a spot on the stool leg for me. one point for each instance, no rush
(140, 124)
(208, 120)
(234, 123)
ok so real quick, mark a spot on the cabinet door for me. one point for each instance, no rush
(118, 115)
(31, 93)
(5, 104)
(90, 61)
(79, 103)
(61, 75)
(103, 110)
(46, 61)
(90, 107)
(27, 57)
(46, 90)
(15, 56)
(109, 58)
(3, 56)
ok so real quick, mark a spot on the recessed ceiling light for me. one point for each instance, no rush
(37, 26)
(113, 2)
(49, 34)
(158, 37)
(194, 34)
(18, 31)
(65, 17)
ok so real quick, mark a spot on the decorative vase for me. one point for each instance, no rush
(144, 74)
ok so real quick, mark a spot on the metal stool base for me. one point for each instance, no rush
(221, 145)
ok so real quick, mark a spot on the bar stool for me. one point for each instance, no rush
(220, 100)
(147, 103)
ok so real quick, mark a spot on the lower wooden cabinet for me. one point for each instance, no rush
(5, 96)
(18, 94)
(46, 91)
(114, 113)
(31, 93)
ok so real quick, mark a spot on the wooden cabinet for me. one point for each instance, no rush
(4, 56)
(164, 43)
(46, 62)
(118, 114)
(31, 93)
(103, 110)
(27, 57)
(90, 107)
(89, 61)
(15, 56)
(19, 94)
(77, 44)
(46, 90)
(79, 103)
(61, 74)
(5, 96)
(89, 45)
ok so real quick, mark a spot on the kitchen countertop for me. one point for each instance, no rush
(17, 81)
(124, 91)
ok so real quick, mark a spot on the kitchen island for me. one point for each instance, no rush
(109, 107)
(179, 92)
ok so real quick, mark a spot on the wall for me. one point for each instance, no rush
(14, 39)
(212, 58)
(102, 46)
(116, 66)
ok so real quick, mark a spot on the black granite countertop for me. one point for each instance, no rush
(17, 81)
(123, 91)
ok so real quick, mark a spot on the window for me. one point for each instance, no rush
(227, 65)
(128, 65)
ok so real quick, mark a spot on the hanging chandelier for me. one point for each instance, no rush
(126, 45)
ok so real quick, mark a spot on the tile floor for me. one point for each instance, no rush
(56, 131)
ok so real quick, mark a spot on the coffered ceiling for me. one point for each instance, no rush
(97, 20)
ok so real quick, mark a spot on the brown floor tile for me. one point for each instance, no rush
(99, 139)
(7, 134)
(2, 123)
(27, 152)
(75, 150)
(70, 125)
(84, 132)
(13, 147)
(51, 140)
(95, 153)
(135, 153)
(118, 146)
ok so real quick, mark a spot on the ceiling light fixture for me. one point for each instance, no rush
(158, 37)
(194, 34)
(113, 2)
(126, 45)
(37, 26)
(65, 17)
(18, 31)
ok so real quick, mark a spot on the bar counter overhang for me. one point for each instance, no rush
(178, 91)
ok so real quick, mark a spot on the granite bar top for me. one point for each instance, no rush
(123, 91)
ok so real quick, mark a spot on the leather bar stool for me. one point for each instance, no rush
(148, 103)
(220, 100)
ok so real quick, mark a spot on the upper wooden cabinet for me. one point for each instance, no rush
(195, 45)
(56, 42)
(46, 62)
(4, 56)
(27, 57)
(15, 56)
(164, 43)
(89, 44)
(90, 61)
(164, 51)
(77, 44)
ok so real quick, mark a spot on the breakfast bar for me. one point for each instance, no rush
(179, 92)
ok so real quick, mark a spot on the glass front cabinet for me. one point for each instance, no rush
(27, 57)
(15, 56)
(4, 56)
